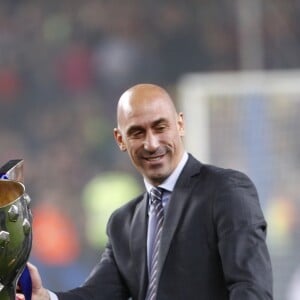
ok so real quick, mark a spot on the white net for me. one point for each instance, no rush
(250, 121)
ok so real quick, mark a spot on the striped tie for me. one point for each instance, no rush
(158, 211)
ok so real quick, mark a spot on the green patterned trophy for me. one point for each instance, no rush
(15, 227)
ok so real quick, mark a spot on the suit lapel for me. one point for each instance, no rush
(138, 237)
(179, 199)
(138, 240)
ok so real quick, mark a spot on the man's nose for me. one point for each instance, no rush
(151, 142)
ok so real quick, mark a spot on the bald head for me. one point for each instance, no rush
(150, 130)
(142, 95)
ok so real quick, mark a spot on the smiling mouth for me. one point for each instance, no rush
(154, 159)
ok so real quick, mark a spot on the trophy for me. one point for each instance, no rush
(15, 229)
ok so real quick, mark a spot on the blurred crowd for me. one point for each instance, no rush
(63, 65)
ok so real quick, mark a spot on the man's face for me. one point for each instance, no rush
(151, 132)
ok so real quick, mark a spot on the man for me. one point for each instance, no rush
(211, 238)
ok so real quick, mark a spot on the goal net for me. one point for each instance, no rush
(250, 121)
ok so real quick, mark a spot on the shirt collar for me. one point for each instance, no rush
(170, 182)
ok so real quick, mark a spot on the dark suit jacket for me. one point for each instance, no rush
(213, 244)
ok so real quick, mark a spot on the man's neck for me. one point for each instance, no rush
(169, 183)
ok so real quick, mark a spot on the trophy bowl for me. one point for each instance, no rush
(15, 235)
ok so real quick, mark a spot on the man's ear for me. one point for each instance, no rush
(180, 122)
(119, 139)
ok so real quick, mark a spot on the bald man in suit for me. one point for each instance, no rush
(213, 239)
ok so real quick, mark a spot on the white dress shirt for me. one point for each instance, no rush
(167, 186)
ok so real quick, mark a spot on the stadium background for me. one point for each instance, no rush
(63, 65)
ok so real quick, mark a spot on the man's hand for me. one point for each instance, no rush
(38, 292)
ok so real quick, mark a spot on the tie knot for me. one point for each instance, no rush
(156, 195)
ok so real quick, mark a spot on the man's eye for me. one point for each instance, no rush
(136, 134)
(161, 128)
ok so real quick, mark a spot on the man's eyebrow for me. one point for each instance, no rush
(134, 128)
(159, 121)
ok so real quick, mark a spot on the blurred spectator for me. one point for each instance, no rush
(101, 196)
(10, 84)
(55, 236)
(74, 68)
(178, 43)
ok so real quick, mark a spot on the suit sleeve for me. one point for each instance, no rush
(241, 231)
(104, 282)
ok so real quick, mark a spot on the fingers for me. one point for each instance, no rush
(35, 277)
(20, 297)
(38, 292)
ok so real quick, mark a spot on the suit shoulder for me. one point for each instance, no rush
(216, 175)
(226, 176)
